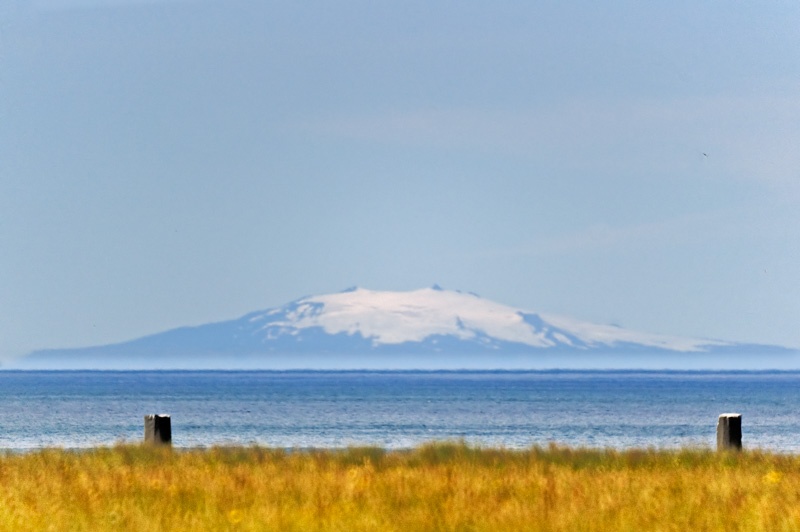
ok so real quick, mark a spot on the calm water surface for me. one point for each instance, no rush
(399, 409)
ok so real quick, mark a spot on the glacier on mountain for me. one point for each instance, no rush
(393, 318)
(429, 328)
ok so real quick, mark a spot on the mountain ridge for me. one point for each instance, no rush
(383, 327)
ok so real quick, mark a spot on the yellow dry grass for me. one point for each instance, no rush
(444, 486)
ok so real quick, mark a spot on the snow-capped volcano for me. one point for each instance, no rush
(428, 328)
(395, 318)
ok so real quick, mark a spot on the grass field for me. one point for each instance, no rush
(446, 486)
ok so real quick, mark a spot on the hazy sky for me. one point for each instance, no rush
(168, 163)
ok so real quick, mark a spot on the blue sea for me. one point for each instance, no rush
(308, 409)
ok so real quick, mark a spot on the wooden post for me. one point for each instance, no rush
(729, 432)
(157, 429)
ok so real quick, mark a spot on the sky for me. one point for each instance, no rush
(169, 163)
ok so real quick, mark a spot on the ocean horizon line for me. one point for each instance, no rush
(546, 371)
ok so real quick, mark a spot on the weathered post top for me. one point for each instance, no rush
(157, 429)
(729, 432)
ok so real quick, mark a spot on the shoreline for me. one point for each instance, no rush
(551, 446)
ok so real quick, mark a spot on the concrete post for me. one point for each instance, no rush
(157, 429)
(729, 432)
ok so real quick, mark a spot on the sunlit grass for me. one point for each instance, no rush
(447, 486)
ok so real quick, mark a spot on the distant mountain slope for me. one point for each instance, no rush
(393, 328)
(384, 319)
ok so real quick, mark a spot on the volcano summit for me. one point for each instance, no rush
(429, 328)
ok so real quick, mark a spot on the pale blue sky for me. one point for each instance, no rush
(174, 163)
